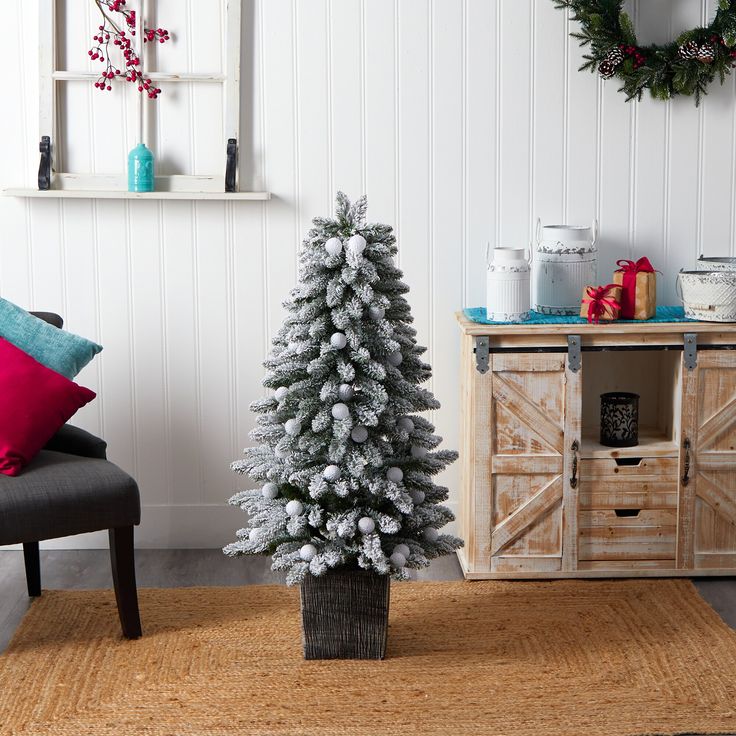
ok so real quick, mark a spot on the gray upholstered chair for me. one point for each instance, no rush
(71, 488)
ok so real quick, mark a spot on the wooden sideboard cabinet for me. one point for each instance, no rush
(541, 498)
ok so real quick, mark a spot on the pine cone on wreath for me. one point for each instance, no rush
(706, 54)
(615, 56)
(689, 50)
(607, 67)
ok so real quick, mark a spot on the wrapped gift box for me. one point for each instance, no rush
(601, 303)
(638, 281)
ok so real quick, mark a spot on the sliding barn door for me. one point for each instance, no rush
(707, 513)
(535, 433)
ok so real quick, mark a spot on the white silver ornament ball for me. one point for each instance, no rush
(281, 393)
(395, 474)
(345, 392)
(294, 507)
(333, 246)
(402, 549)
(406, 424)
(332, 473)
(307, 552)
(418, 451)
(359, 434)
(398, 560)
(431, 534)
(376, 313)
(395, 359)
(338, 340)
(417, 497)
(281, 452)
(357, 244)
(254, 534)
(270, 490)
(340, 411)
(293, 427)
(366, 525)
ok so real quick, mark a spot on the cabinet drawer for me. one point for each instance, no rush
(650, 484)
(626, 534)
(628, 467)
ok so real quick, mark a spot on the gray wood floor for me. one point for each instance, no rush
(176, 568)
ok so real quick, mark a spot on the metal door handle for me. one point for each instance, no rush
(686, 476)
(574, 479)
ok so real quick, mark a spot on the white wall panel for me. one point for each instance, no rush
(380, 108)
(180, 435)
(148, 355)
(446, 208)
(549, 115)
(313, 120)
(462, 120)
(346, 43)
(514, 134)
(215, 314)
(118, 359)
(279, 101)
(581, 140)
(414, 223)
(481, 149)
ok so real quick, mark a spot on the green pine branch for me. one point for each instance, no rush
(604, 26)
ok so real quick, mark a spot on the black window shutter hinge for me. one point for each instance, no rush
(44, 167)
(232, 165)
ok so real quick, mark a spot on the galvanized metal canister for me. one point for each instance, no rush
(565, 262)
(508, 288)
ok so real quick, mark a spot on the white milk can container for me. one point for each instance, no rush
(508, 280)
(565, 262)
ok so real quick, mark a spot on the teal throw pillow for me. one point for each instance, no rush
(57, 349)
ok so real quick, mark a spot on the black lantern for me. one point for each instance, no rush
(619, 419)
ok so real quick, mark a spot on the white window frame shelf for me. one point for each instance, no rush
(124, 194)
(114, 186)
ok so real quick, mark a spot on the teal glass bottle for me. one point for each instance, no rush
(140, 169)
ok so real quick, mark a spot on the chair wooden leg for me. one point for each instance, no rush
(33, 568)
(122, 558)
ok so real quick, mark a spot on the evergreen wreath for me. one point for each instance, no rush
(685, 66)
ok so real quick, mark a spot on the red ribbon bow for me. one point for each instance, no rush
(641, 266)
(598, 300)
(630, 269)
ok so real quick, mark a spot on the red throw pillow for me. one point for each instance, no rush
(34, 403)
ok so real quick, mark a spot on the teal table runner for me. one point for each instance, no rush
(664, 314)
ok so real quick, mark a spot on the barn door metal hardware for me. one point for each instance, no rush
(691, 350)
(232, 165)
(44, 168)
(482, 352)
(574, 359)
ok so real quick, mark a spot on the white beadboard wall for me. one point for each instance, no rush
(463, 121)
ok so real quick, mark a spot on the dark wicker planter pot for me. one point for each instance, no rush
(345, 615)
(619, 419)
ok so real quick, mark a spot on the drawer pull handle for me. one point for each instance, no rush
(628, 461)
(627, 513)
(686, 476)
(574, 479)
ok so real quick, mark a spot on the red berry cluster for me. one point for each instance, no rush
(633, 53)
(722, 42)
(109, 32)
(160, 34)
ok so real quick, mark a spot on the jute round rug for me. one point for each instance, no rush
(546, 658)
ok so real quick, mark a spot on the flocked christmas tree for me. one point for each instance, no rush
(345, 462)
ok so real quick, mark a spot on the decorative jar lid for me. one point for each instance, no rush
(567, 232)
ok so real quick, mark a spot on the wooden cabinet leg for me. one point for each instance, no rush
(32, 560)
(122, 557)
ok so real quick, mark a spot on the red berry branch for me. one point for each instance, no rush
(634, 53)
(120, 30)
